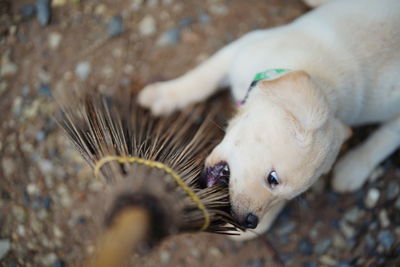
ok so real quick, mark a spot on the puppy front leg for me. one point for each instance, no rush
(264, 224)
(196, 85)
(351, 171)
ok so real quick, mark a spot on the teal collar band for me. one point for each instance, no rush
(269, 74)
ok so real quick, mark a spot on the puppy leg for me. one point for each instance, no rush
(163, 98)
(264, 224)
(198, 84)
(353, 169)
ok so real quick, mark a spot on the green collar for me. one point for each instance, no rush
(269, 74)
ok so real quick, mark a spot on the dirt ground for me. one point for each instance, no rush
(44, 184)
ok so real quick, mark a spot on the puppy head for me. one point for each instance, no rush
(280, 141)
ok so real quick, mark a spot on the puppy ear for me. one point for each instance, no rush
(297, 94)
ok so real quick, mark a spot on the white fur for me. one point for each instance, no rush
(348, 52)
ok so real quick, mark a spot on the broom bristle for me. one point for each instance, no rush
(101, 126)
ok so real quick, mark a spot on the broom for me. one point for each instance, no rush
(152, 166)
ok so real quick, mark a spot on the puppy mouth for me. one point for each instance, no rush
(218, 173)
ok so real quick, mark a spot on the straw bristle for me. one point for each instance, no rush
(102, 126)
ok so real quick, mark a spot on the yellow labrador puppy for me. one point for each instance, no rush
(337, 66)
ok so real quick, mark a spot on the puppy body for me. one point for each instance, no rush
(345, 57)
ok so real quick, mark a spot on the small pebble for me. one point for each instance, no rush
(136, 4)
(185, 22)
(82, 70)
(338, 241)
(3, 86)
(19, 214)
(58, 3)
(305, 247)
(343, 264)
(100, 10)
(165, 257)
(46, 202)
(40, 136)
(57, 232)
(397, 203)
(372, 198)
(370, 242)
(45, 166)
(392, 190)
(128, 69)
(9, 166)
(28, 11)
(152, 3)
(255, 263)
(44, 90)
(287, 228)
(218, 10)
(386, 238)
(204, 18)
(49, 259)
(347, 230)
(4, 247)
(8, 69)
(59, 263)
(115, 26)
(287, 258)
(215, 252)
(354, 215)
(384, 219)
(169, 38)
(322, 246)
(54, 40)
(21, 230)
(32, 189)
(147, 26)
(327, 260)
(43, 11)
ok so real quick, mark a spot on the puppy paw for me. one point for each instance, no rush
(161, 98)
(350, 173)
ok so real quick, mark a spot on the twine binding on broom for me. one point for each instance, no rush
(161, 166)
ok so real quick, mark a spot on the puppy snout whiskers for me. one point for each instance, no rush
(218, 173)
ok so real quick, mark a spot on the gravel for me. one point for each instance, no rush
(372, 198)
(322, 246)
(115, 26)
(305, 247)
(83, 69)
(44, 90)
(28, 11)
(354, 215)
(386, 238)
(54, 40)
(147, 26)
(4, 247)
(384, 219)
(165, 257)
(169, 38)
(392, 190)
(43, 10)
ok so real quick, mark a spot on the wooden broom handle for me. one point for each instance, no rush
(115, 246)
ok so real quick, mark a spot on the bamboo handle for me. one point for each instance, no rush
(114, 247)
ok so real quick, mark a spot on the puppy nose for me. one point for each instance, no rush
(251, 221)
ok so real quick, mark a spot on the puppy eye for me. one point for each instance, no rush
(273, 179)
